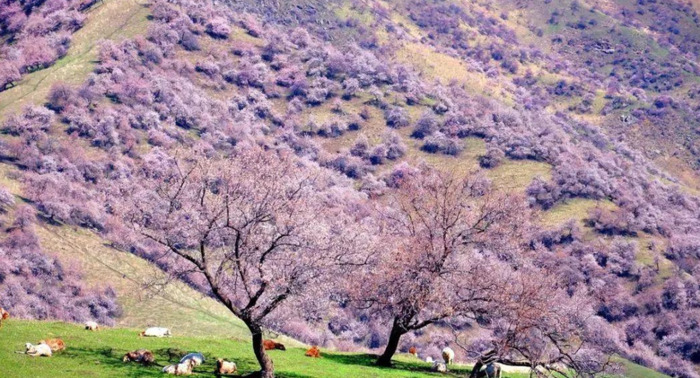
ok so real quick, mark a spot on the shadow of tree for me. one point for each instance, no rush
(291, 375)
(112, 358)
(369, 359)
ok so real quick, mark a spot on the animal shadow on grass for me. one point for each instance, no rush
(112, 359)
(354, 359)
(171, 354)
(369, 359)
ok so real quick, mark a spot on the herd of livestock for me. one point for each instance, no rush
(46, 348)
(189, 361)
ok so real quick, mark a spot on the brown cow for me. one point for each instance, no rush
(4, 315)
(54, 344)
(142, 356)
(413, 351)
(270, 345)
(313, 352)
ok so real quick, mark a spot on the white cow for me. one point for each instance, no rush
(91, 326)
(156, 332)
(184, 368)
(38, 350)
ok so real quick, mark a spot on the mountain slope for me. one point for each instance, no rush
(530, 107)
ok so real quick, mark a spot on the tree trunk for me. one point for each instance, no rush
(267, 369)
(476, 369)
(396, 332)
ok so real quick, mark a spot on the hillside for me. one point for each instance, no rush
(587, 111)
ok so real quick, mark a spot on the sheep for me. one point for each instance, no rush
(55, 344)
(269, 345)
(91, 326)
(169, 369)
(142, 356)
(184, 368)
(38, 350)
(313, 352)
(155, 332)
(429, 360)
(439, 367)
(198, 358)
(448, 355)
(225, 367)
(413, 351)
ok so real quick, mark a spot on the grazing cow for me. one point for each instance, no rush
(38, 350)
(184, 368)
(448, 355)
(142, 356)
(429, 360)
(270, 345)
(413, 351)
(439, 367)
(198, 358)
(91, 326)
(313, 352)
(54, 344)
(225, 367)
(155, 332)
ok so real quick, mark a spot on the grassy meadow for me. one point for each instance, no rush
(98, 354)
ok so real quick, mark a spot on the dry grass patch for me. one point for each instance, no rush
(239, 34)
(516, 175)
(445, 68)
(576, 209)
(139, 285)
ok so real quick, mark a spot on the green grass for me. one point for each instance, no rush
(633, 370)
(98, 354)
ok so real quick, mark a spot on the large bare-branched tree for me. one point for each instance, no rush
(260, 227)
(444, 238)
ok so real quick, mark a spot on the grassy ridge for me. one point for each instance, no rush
(147, 296)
